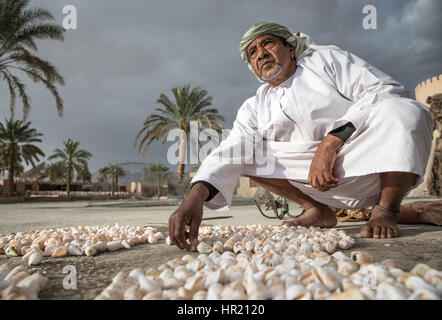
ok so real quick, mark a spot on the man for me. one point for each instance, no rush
(337, 132)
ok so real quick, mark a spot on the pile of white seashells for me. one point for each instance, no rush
(18, 284)
(75, 241)
(275, 262)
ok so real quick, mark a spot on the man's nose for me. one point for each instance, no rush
(262, 53)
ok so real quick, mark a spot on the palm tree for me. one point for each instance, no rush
(55, 172)
(19, 28)
(119, 172)
(103, 173)
(16, 145)
(84, 175)
(188, 106)
(157, 172)
(115, 171)
(74, 159)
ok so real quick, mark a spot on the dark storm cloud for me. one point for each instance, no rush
(125, 53)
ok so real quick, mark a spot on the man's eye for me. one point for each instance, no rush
(252, 53)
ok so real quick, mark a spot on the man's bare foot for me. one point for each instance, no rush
(382, 224)
(319, 216)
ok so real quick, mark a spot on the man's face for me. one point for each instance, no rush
(271, 60)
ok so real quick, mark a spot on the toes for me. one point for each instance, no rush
(366, 231)
(390, 233)
(377, 232)
(384, 233)
(288, 223)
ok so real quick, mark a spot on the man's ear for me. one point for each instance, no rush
(292, 53)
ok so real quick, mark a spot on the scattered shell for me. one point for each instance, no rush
(361, 257)
(35, 258)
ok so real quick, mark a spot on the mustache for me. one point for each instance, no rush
(266, 61)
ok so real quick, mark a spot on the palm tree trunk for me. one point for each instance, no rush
(116, 183)
(159, 187)
(182, 154)
(68, 183)
(112, 185)
(11, 175)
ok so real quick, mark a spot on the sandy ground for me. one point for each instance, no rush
(417, 244)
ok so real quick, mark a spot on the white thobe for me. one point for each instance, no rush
(286, 124)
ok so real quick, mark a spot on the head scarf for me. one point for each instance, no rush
(302, 43)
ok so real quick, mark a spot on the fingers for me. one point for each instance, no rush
(193, 234)
(178, 228)
(323, 183)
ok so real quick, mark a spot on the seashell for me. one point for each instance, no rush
(328, 277)
(152, 240)
(125, 244)
(330, 246)
(218, 246)
(90, 250)
(214, 277)
(182, 273)
(11, 251)
(169, 241)
(16, 278)
(415, 283)
(420, 270)
(339, 255)
(149, 285)
(237, 247)
(134, 293)
(158, 235)
(387, 291)
(233, 291)
(214, 291)
(114, 245)
(170, 294)
(101, 246)
(10, 274)
(60, 252)
(170, 282)
(226, 262)
(345, 243)
(277, 292)
(347, 267)
(187, 258)
(297, 292)
(229, 244)
(33, 284)
(434, 277)
(200, 295)
(194, 265)
(353, 293)
(204, 247)
(249, 246)
(153, 296)
(195, 283)
(23, 250)
(35, 258)
(424, 294)
(75, 250)
(184, 293)
(361, 257)
(49, 250)
(135, 274)
(152, 272)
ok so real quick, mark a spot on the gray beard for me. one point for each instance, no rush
(273, 75)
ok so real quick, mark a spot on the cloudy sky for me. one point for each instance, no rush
(125, 53)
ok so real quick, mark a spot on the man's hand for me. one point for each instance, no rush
(190, 214)
(321, 169)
